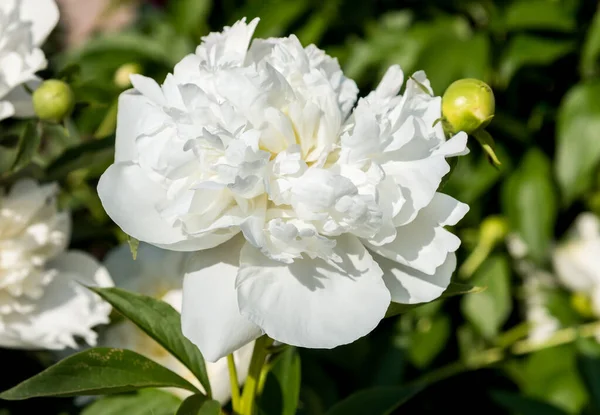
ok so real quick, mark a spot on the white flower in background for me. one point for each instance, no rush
(577, 260)
(24, 26)
(537, 285)
(42, 301)
(159, 273)
(309, 216)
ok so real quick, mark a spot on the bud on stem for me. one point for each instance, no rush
(53, 101)
(469, 105)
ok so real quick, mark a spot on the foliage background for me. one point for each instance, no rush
(542, 58)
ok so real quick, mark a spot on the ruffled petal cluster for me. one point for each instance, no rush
(309, 211)
(44, 303)
(24, 26)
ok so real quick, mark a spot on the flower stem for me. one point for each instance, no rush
(511, 347)
(259, 356)
(233, 380)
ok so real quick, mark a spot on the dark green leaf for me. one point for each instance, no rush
(525, 50)
(453, 289)
(144, 402)
(524, 405)
(488, 310)
(97, 371)
(590, 55)
(589, 368)
(29, 142)
(578, 147)
(539, 14)
(199, 405)
(529, 199)
(88, 155)
(161, 322)
(282, 386)
(375, 401)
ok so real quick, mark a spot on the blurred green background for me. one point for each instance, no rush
(541, 57)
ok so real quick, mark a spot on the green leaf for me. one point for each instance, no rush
(282, 386)
(578, 147)
(589, 368)
(523, 405)
(525, 50)
(144, 402)
(453, 289)
(488, 310)
(136, 46)
(590, 55)
(199, 405)
(529, 200)
(550, 375)
(29, 142)
(97, 371)
(374, 401)
(189, 16)
(539, 14)
(428, 339)
(161, 322)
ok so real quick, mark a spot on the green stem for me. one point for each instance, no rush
(509, 348)
(259, 355)
(233, 380)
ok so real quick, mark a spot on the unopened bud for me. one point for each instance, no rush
(53, 101)
(468, 105)
(124, 72)
(582, 303)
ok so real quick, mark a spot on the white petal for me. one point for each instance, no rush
(21, 101)
(424, 244)
(43, 15)
(130, 199)
(66, 310)
(130, 119)
(210, 316)
(410, 286)
(313, 303)
(149, 88)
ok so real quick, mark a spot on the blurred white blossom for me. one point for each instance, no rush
(577, 259)
(158, 273)
(309, 216)
(43, 303)
(537, 284)
(24, 26)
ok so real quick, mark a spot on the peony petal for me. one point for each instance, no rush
(43, 15)
(313, 303)
(424, 244)
(210, 316)
(66, 310)
(130, 122)
(410, 286)
(129, 197)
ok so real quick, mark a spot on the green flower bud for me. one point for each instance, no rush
(493, 229)
(468, 105)
(53, 101)
(124, 72)
(582, 303)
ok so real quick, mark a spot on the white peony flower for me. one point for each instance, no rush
(308, 216)
(43, 303)
(537, 285)
(577, 260)
(24, 26)
(159, 273)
